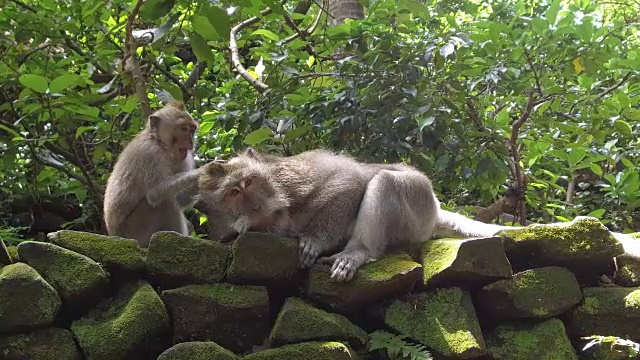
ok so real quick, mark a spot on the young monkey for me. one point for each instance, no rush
(154, 178)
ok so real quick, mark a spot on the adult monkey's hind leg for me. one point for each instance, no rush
(397, 206)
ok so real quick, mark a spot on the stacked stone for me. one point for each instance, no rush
(526, 294)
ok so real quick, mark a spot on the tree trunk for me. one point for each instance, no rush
(343, 9)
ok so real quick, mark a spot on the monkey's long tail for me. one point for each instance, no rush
(630, 245)
(450, 224)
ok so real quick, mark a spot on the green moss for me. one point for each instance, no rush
(544, 341)
(450, 262)
(123, 325)
(307, 351)
(197, 350)
(438, 255)
(225, 294)
(443, 320)
(635, 235)
(115, 253)
(175, 260)
(42, 344)
(75, 276)
(614, 311)
(373, 282)
(263, 259)
(13, 253)
(26, 299)
(234, 316)
(583, 235)
(298, 322)
(541, 292)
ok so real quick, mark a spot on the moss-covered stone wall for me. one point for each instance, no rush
(529, 294)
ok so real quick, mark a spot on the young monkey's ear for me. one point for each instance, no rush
(154, 121)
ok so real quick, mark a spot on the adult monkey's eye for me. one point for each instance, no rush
(234, 192)
(184, 127)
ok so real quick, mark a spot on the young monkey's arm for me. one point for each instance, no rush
(170, 187)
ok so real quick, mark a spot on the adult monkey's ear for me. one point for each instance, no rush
(176, 104)
(250, 152)
(215, 169)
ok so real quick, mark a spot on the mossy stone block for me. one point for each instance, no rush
(466, 263)
(41, 344)
(234, 316)
(613, 311)
(13, 253)
(584, 246)
(133, 324)
(175, 260)
(79, 280)
(443, 320)
(263, 259)
(298, 322)
(26, 299)
(5, 256)
(376, 281)
(197, 350)
(121, 257)
(308, 351)
(536, 293)
(546, 340)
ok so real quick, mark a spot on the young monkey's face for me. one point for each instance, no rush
(244, 190)
(175, 128)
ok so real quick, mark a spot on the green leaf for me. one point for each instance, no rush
(219, 19)
(266, 33)
(201, 49)
(623, 127)
(202, 26)
(296, 133)
(257, 136)
(552, 11)
(596, 169)
(34, 82)
(153, 9)
(597, 213)
(81, 129)
(63, 82)
(426, 121)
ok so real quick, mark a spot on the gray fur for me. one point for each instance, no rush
(149, 186)
(331, 202)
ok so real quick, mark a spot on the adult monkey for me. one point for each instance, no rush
(325, 200)
(154, 178)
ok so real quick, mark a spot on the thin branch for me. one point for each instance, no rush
(515, 153)
(533, 69)
(24, 6)
(24, 57)
(131, 62)
(614, 86)
(108, 97)
(300, 33)
(235, 56)
(474, 114)
(174, 79)
(195, 74)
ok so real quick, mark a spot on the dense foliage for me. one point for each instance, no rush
(532, 100)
